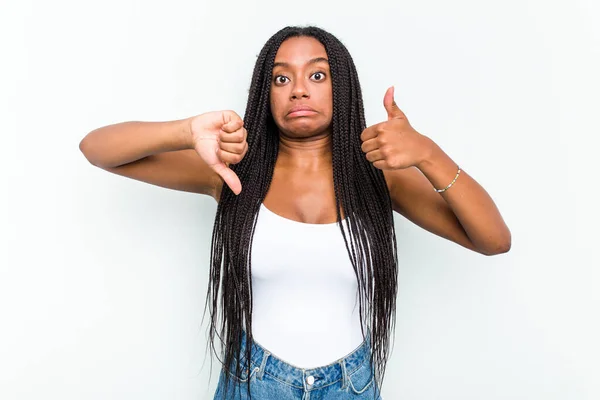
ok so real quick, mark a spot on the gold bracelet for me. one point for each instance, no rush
(451, 183)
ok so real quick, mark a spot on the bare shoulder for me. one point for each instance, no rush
(181, 170)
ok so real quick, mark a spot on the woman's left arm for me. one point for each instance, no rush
(468, 200)
(413, 166)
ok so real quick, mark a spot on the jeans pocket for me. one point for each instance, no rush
(362, 378)
(242, 374)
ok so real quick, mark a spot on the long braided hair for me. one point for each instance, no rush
(360, 190)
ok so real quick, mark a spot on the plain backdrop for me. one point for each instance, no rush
(103, 278)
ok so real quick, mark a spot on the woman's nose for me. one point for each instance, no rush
(300, 90)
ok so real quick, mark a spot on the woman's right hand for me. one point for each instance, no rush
(219, 137)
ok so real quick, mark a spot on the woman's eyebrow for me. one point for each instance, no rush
(312, 61)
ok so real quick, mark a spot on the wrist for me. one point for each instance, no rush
(184, 132)
(429, 153)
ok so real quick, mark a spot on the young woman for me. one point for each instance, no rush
(303, 256)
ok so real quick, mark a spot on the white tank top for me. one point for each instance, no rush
(305, 293)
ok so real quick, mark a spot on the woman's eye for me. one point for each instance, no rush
(280, 79)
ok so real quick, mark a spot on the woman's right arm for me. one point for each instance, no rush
(159, 153)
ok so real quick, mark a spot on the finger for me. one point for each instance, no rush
(381, 164)
(368, 133)
(375, 155)
(229, 177)
(231, 158)
(229, 115)
(370, 145)
(245, 150)
(236, 148)
(237, 136)
(232, 125)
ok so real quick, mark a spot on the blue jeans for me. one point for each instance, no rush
(350, 377)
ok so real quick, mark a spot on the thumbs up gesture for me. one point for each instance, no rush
(394, 144)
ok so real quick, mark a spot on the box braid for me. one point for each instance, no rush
(360, 190)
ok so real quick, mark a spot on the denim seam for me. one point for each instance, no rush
(239, 379)
(363, 389)
(352, 384)
(358, 366)
(298, 387)
(344, 374)
(283, 382)
(263, 363)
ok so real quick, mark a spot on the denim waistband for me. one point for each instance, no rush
(264, 362)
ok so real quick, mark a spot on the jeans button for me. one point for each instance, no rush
(310, 379)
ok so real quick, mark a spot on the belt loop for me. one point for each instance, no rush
(344, 374)
(304, 386)
(261, 371)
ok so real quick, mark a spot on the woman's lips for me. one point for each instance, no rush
(301, 113)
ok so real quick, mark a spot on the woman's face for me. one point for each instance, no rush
(301, 77)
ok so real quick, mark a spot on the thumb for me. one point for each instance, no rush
(390, 105)
(230, 177)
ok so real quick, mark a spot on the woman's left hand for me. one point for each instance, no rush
(394, 144)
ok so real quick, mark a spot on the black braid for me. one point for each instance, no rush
(360, 190)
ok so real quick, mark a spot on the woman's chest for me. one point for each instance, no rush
(306, 198)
